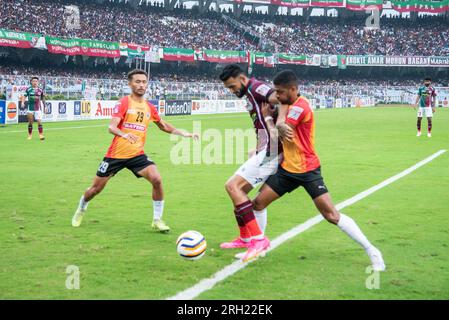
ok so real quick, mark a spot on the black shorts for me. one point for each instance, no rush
(110, 166)
(283, 181)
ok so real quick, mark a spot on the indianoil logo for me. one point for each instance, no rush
(11, 110)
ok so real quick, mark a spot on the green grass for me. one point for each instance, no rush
(121, 258)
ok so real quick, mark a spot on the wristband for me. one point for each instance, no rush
(268, 118)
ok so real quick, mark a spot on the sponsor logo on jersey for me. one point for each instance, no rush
(295, 113)
(263, 89)
(134, 126)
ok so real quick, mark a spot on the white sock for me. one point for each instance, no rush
(348, 226)
(83, 204)
(158, 209)
(261, 217)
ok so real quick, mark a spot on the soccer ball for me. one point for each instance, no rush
(191, 245)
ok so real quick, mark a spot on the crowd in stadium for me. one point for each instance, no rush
(123, 23)
(332, 37)
(188, 29)
(19, 75)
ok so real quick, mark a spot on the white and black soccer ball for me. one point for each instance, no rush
(191, 245)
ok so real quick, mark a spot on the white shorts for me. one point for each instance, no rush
(258, 168)
(427, 111)
(37, 114)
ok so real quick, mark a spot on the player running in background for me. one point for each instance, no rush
(262, 163)
(301, 165)
(129, 124)
(36, 99)
(426, 99)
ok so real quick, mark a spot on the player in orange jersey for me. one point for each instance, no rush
(301, 165)
(129, 123)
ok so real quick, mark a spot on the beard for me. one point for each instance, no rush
(242, 91)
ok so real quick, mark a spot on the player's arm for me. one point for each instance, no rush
(285, 131)
(434, 101)
(277, 130)
(272, 99)
(282, 131)
(418, 97)
(26, 95)
(267, 112)
(113, 128)
(43, 99)
(169, 128)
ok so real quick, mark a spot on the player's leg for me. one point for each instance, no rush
(429, 115)
(265, 196)
(150, 173)
(419, 120)
(275, 187)
(97, 186)
(30, 117)
(39, 125)
(324, 204)
(429, 126)
(107, 169)
(238, 186)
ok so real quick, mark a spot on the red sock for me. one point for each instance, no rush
(245, 216)
(39, 127)
(244, 232)
(30, 129)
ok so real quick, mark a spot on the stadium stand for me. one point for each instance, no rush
(186, 29)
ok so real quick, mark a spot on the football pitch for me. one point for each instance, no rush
(119, 257)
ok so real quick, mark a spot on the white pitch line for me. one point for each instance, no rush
(209, 283)
(105, 125)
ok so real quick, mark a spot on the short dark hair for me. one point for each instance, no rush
(136, 71)
(285, 78)
(32, 78)
(427, 79)
(231, 71)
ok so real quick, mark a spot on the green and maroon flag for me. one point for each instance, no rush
(179, 54)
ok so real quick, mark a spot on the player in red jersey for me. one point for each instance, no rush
(129, 123)
(301, 165)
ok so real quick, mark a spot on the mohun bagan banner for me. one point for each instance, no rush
(225, 56)
(409, 61)
(76, 47)
(22, 40)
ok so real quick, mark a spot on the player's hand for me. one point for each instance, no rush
(267, 110)
(131, 138)
(434, 109)
(194, 136)
(286, 132)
